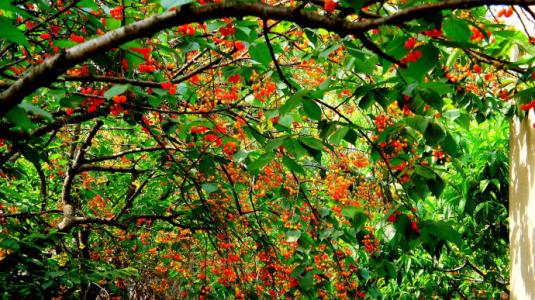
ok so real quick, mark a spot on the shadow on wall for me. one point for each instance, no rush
(522, 208)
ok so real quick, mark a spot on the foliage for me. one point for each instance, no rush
(247, 149)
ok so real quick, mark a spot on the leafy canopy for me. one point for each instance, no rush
(248, 149)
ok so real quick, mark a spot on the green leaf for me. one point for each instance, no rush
(260, 53)
(285, 121)
(305, 241)
(294, 148)
(261, 161)
(424, 171)
(312, 35)
(366, 101)
(383, 267)
(351, 136)
(29, 153)
(367, 65)
(11, 33)
(275, 143)
(395, 47)
(292, 165)
(243, 33)
(440, 88)
(128, 271)
(417, 122)
(312, 142)
(10, 244)
(65, 43)
(324, 211)
(116, 90)
(424, 64)
(312, 109)
(338, 135)
(450, 145)
(457, 30)
(154, 101)
(210, 187)
(452, 114)
(5, 5)
(436, 186)
(356, 5)
(351, 211)
(464, 120)
(298, 271)
(359, 220)
(294, 101)
(19, 117)
(326, 233)
(89, 4)
(443, 231)
(167, 4)
(207, 165)
(35, 110)
(434, 134)
(307, 281)
(292, 235)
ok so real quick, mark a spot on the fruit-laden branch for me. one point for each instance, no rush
(375, 49)
(108, 169)
(124, 225)
(48, 71)
(143, 83)
(42, 24)
(126, 152)
(171, 219)
(58, 123)
(234, 193)
(25, 215)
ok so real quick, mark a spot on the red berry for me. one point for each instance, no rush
(477, 69)
(330, 5)
(409, 44)
(69, 111)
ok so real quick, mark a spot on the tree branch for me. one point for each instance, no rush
(123, 153)
(130, 199)
(69, 209)
(42, 183)
(30, 214)
(110, 169)
(233, 187)
(370, 45)
(56, 124)
(274, 58)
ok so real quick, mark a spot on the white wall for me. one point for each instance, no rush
(522, 208)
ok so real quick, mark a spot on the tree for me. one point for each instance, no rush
(214, 149)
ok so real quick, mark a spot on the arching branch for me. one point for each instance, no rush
(47, 72)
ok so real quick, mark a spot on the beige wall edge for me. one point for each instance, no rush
(522, 208)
